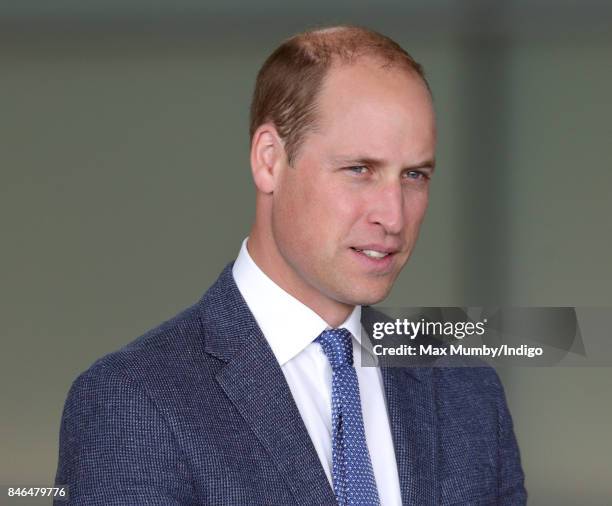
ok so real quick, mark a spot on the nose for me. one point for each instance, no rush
(387, 208)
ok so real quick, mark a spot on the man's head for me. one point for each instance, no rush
(343, 141)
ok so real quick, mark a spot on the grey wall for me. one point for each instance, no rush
(123, 129)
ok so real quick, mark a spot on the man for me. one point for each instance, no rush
(249, 396)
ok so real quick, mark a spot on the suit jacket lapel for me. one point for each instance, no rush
(255, 384)
(411, 406)
(412, 414)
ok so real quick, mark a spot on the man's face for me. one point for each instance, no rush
(346, 215)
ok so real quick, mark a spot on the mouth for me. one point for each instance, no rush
(375, 258)
(371, 253)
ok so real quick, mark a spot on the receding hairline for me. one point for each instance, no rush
(363, 59)
(308, 58)
(348, 42)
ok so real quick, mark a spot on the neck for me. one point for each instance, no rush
(275, 267)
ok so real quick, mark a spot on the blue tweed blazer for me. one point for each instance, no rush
(197, 411)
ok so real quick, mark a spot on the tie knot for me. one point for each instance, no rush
(338, 347)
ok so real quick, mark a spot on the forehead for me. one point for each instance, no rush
(376, 106)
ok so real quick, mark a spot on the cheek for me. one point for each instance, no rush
(291, 200)
(415, 207)
(299, 214)
(318, 211)
(331, 207)
(342, 214)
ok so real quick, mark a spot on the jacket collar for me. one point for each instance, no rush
(255, 384)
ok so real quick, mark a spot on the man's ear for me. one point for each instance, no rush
(268, 158)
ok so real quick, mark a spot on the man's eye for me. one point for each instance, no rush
(358, 169)
(416, 174)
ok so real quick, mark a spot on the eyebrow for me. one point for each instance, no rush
(379, 162)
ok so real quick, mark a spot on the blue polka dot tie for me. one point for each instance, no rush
(353, 477)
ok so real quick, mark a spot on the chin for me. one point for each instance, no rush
(368, 297)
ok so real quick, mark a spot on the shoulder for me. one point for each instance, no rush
(118, 436)
(171, 360)
(164, 348)
(471, 390)
(481, 381)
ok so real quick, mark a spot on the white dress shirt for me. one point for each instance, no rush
(290, 328)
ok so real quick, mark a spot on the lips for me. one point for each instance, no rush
(374, 259)
(375, 250)
(372, 253)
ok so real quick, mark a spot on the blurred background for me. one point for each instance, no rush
(125, 189)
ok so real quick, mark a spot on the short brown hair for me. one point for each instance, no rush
(288, 82)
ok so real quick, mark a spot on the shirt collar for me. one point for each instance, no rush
(288, 325)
